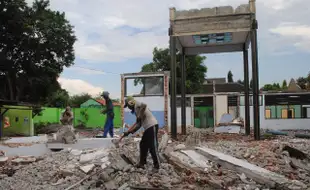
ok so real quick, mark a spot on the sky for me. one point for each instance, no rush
(115, 37)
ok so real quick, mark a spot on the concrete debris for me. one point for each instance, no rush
(259, 174)
(88, 168)
(96, 154)
(24, 160)
(182, 166)
(66, 135)
(76, 152)
(3, 159)
(179, 147)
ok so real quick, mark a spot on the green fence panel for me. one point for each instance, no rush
(94, 118)
(21, 122)
(48, 115)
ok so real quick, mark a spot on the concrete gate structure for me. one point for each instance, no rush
(214, 30)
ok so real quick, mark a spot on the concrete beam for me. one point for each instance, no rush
(252, 171)
(207, 12)
(214, 24)
(214, 49)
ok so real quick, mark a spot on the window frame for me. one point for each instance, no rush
(144, 90)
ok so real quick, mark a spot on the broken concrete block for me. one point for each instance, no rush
(179, 147)
(84, 158)
(245, 8)
(104, 159)
(124, 186)
(163, 143)
(23, 160)
(76, 152)
(224, 10)
(3, 159)
(110, 185)
(66, 173)
(88, 168)
(254, 172)
(105, 165)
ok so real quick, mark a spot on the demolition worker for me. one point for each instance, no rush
(145, 119)
(67, 118)
(108, 126)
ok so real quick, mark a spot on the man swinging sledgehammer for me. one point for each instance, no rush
(149, 141)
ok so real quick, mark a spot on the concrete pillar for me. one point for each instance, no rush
(246, 91)
(122, 98)
(183, 92)
(255, 81)
(173, 106)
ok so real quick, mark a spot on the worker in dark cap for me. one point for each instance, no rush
(108, 126)
(149, 141)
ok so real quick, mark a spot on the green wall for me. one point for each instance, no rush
(21, 121)
(277, 110)
(51, 115)
(93, 119)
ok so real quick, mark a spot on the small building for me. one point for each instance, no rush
(96, 103)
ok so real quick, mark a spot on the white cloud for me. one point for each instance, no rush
(109, 19)
(85, 71)
(297, 33)
(77, 86)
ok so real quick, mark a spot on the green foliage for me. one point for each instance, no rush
(284, 85)
(230, 77)
(302, 82)
(77, 100)
(59, 98)
(272, 87)
(85, 117)
(195, 69)
(36, 44)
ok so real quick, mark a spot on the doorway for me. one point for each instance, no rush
(203, 112)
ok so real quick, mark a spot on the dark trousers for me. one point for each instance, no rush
(149, 142)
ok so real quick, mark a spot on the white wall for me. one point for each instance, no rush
(188, 115)
(155, 103)
(221, 106)
(276, 124)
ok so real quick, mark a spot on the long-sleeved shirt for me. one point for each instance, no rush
(148, 119)
(109, 108)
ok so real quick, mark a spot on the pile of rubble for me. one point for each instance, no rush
(88, 169)
(183, 166)
(283, 155)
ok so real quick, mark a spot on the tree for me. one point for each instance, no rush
(284, 85)
(194, 65)
(302, 82)
(36, 44)
(230, 76)
(77, 100)
(60, 98)
(250, 83)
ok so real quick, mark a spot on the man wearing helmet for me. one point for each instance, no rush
(145, 119)
(109, 126)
